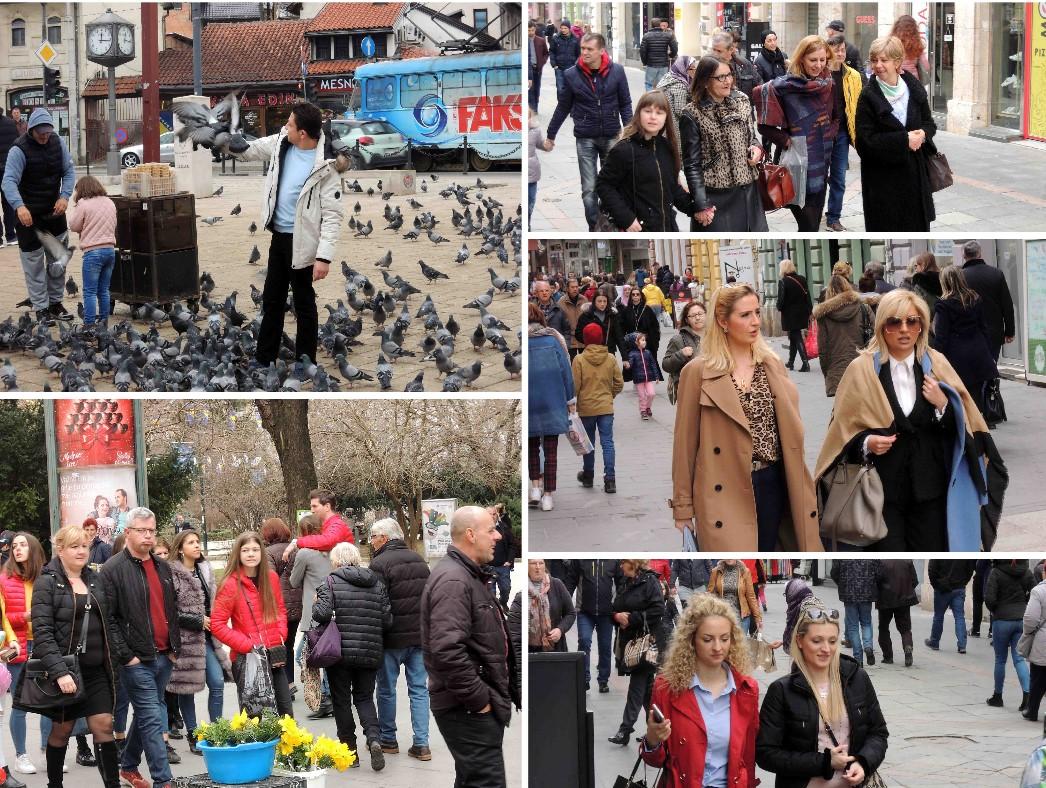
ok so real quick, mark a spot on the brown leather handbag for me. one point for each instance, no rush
(939, 171)
(776, 189)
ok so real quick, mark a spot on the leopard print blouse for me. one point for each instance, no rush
(758, 405)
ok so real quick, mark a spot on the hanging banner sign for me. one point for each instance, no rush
(1035, 72)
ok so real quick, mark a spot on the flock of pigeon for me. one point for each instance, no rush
(215, 342)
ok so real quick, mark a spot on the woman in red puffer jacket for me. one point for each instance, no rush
(248, 613)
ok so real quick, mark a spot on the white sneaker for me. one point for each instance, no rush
(535, 496)
(546, 502)
(24, 765)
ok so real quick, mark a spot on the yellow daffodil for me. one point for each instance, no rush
(237, 722)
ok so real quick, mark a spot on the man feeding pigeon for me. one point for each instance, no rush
(303, 211)
(38, 182)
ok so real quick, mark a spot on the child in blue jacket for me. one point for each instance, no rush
(645, 374)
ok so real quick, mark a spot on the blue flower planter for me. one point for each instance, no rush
(243, 763)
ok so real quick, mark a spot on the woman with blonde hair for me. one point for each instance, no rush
(710, 704)
(894, 139)
(794, 304)
(739, 476)
(798, 110)
(721, 152)
(902, 407)
(821, 725)
(639, 609)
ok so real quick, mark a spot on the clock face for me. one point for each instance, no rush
(100, 40)
(125, 38)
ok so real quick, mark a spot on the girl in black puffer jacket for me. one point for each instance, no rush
(639, 607)
(1006, 596)
(357, 600)
(794, 741)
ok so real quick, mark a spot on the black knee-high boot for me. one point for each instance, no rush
(55, 761)
(108, 759)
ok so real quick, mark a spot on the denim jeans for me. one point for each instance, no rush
(17, 721)
(653, 76)
(589, 151)
(955, 601)
(559, 79)
(413, 664)
(534, 93)
(532, 198)
(215, 683)
(1005, 635)
(859, 627)
(837, 174)
(145, 683)
(605, 424)
(97, 271)
(503, 581)
(603, 624)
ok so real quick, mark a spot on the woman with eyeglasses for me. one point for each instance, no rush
(685, 346)
(720, 153)
(739, 477)
(709, 703)
(895, 132)
(820, 726)
(798, 111)
(901, 407)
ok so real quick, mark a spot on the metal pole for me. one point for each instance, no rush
(197, 50)
(112, 161)
(465, 154)
(75, 141)
(43, 37)
(150, 83)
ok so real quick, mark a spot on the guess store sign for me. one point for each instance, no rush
(283, 99)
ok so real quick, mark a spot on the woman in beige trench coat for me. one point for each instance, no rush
(739, 476)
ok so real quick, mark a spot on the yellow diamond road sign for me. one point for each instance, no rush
(46, 53)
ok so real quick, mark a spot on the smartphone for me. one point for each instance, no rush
(655, 712)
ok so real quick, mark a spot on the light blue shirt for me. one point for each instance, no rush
(296, 168)
(716, 714)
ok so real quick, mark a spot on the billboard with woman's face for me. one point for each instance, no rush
(96, 463)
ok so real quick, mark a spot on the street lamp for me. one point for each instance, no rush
(110, 43)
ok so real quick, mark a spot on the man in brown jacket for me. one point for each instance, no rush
(597, 380)
(570, 305)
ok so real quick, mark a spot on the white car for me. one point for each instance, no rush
(132, 156)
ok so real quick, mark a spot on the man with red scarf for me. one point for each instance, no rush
(595, 95)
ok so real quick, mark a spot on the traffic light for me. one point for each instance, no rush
(51, 82)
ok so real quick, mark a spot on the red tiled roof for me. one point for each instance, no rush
(240, 53)
(125, 86)
(354, 16)
(408, 51)
(318, 67)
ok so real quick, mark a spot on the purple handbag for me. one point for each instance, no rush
(324, 642)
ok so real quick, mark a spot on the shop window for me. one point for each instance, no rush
(342, 47)
(502, 81)
(381, 44)
(321, 47)
(18, 33)
(54, 30)
(381, 93)
(414, 87)
(1007, 64)
(460, 84)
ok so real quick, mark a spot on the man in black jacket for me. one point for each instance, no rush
(657, 50)
(504, 552)
(949, 578)
(853, 54)
(692, 574)
(990, 284)
(144, 640)
(404, 573)
(595, 580)
(471, 666)
(563, 51)
(8, 134)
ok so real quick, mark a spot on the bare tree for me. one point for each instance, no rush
(287, 422)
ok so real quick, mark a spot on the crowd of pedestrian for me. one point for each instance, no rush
(913, 393)
(153, 626)
(698, 141)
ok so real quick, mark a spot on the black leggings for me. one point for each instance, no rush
(1037, 689)
(796, 344)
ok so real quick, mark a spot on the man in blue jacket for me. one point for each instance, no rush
(595, 95)
(563, 51)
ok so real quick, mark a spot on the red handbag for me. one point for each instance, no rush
(776, 189)
(811, 340)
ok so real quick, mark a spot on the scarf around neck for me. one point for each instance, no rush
(540, 623)
(897, 97)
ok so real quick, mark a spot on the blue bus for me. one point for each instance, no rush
(437, 101)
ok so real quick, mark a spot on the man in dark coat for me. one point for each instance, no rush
(657, 51)
(8, 134)
(795, 305)
(853, 54)
(563, 51)
(858, 582)
(404, 574)
(949, 578)
(470, 661)
(990, 284)
(504, 553)
(537, 57)
(38, 182)
(595, 580)
(897, 582)
(595, 95)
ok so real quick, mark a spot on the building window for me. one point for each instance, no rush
(342, 47)
(381, 44)
(480, 18)
(54, 30)
(460, 84)
(381, 93)
(321, 47)
(18, 33)
(502, 81)
(414, 87)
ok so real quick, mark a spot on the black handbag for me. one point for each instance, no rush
(994, 407)
(38, 691)
(632, 782)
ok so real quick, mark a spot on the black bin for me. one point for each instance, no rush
(161, 278)
(156, 224)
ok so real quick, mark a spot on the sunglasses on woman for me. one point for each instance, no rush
(893, 324)
(820, 614)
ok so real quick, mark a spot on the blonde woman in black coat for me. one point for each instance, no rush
(795, 305)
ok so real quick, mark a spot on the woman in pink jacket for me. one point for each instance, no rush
(93, 216)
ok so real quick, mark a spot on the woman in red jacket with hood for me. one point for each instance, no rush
(249, 614)
(710, 705)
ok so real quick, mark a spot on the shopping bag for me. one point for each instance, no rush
(254, 682)
(578, 437)
(796, 159)
(689, 541)
(762, 654)
(311, 680)
(811, 340)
